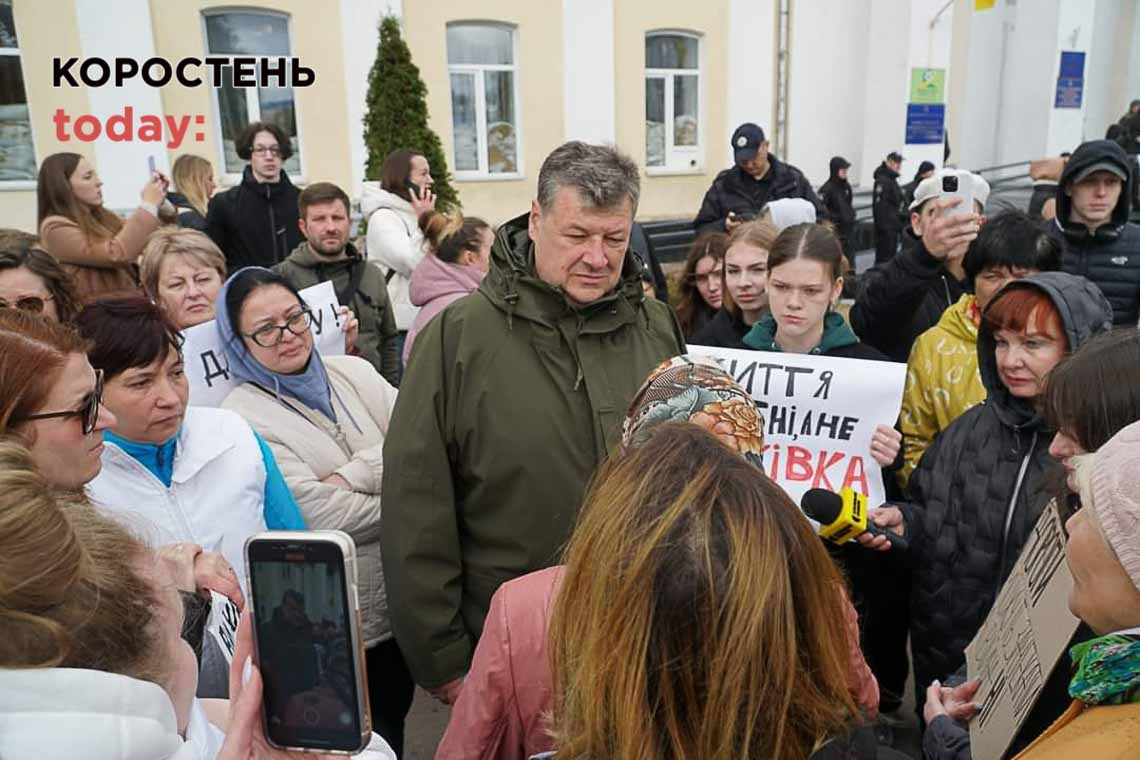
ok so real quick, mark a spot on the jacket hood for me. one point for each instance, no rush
(837, 163)
(374, 197)
(958, 321)
(886, 171)
(57, 713)
(1084, 311)
(304, 256)
(1088, 154)
(434, 277)
(836, 334)
(272, 189)
(513, 286)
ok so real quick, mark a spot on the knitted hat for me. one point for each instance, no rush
(695, 389)
(1110, 477)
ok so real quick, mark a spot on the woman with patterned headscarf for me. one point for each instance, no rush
(504, 706)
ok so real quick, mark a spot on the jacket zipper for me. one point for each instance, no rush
(272, 224)
(1012, 507)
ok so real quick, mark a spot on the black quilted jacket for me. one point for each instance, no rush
(978, 492)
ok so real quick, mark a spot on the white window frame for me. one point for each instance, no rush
(679, 159)
(482, 174)
(21, 184)
(252, 104)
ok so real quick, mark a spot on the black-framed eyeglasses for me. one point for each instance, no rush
(88, 411)
(272, 150)
(33, 304)
(268, 336)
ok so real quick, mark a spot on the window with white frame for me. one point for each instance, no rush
(251, 33)
(484, 98)
(672, 100)
(17, 154)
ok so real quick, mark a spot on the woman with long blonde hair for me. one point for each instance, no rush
(699, 616)
(194, 182)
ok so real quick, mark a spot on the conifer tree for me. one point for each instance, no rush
(397, 115)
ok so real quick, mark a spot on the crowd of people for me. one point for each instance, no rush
(563, 521)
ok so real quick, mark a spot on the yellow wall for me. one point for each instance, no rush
(314, 33)
(45, 30)
(677, 196)
(539, 44)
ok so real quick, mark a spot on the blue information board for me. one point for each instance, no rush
(925, 123)
(1070, 80)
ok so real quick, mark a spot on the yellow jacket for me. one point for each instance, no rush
(942, 380)
(1103, 732)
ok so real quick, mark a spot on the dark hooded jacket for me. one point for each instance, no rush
(255, 223)
(738, 191)
(837, 339)
(1110, 257)
(978, 491)
(902, 298)
(837, 199)
(887, 199)
(188, 216)
(511, 399)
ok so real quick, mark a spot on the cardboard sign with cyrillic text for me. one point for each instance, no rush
(819, 415)
(206, 366)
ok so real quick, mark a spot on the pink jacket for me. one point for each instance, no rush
(434, 285)
(502, 710)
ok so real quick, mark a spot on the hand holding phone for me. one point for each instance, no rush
(955, 186)
(308, 646)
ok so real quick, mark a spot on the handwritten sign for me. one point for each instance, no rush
(820, 413)
(1025, 634)
(206, 365)
(222, 623)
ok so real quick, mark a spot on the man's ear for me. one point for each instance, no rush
(304, 228)
(535, 215)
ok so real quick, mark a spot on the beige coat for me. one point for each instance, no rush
(99, 267)
(309, 447)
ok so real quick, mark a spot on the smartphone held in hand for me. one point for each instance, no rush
(960, 187)
(307, 640)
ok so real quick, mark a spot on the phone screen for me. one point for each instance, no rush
(304, 645)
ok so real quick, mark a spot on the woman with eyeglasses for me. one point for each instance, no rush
(95, 246)
(31, 280)
(325, 418)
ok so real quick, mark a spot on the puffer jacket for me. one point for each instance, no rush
(978, 491)
(512, 398)
(309, 447)
(396, 243)
(942, 381)
(738, 191)
(255, 223)
(436, 284)
(1110, 257)
(902, 298)
(503, 710)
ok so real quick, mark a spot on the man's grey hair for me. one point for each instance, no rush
(603, 176)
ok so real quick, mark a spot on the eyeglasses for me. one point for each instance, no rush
(272, 150)
(34, 304)
(269, 336)
(88, 411)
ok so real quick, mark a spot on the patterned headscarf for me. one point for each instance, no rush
(695, 389)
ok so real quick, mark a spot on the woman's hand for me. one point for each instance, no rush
(198, 571)
(154, 191)
(350, 326)
(449, 692)
(886, 518)
(885, 445)
(423, 202)
(245, 735)
(957, 703)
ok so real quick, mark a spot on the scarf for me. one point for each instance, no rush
(1107, 670)
(310, 386)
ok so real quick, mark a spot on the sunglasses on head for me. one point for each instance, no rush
(88, 411)
(34, 304)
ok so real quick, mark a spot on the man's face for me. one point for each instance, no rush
(758, 164)
(920, 218)
(894, 165)
(1094, 198)
(580, 248)
(265, 157)
(326, 227)
(841, 173)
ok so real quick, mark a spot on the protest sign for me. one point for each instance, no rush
(206, 366)
(819, 415)
(222, 623)
(1024, 636)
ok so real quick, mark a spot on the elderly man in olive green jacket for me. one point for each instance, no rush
(512, 397)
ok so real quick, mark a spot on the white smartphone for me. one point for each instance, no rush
(308, 641)
(955, 186)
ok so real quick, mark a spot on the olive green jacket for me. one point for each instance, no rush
(378, 340)
(511, 398)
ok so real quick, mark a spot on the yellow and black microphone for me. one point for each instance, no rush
(843, 516)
